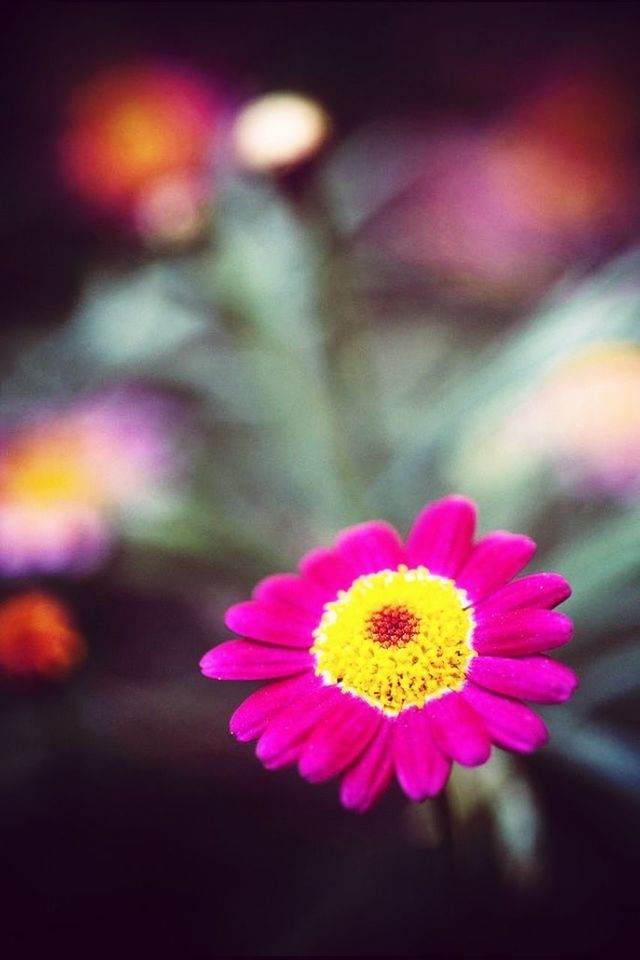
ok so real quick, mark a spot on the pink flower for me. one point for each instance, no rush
(68, 478)
(395, 657)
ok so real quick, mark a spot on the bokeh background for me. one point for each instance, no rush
(231, 326)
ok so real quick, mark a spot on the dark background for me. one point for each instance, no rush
(123, 832)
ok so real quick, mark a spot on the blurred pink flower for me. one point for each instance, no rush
(398, 657)
(503, 211)
(65, 475)
(505, 208)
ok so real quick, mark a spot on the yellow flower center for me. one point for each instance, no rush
(396, 638)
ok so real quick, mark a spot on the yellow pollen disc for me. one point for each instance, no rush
(396, 638)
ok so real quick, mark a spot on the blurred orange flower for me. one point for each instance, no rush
(133, 126)
(37, 638)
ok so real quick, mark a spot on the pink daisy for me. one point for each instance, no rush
(398, 658)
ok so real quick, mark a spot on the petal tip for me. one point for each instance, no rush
(571, 684)
(354, 803)
(311, 769)
(564, 627)
(208, 665)
(426, 793)
(536, 740)
(477, 758)
(564, 588)
(234, 617)
(459, 500)
(242, 733)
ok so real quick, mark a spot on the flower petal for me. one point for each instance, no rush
(290, 590)
(270, 624)
(527, 678)
(370, 547)
(370, 776)
(284, 738)
(421, 768)
(255, 713)
(325, 569)
(243, 660)
(511, 725)
(522, 632)
(441, 536)
(339, 739)
(541, 590)
(284, 759)
(494, 560)
(458, 730)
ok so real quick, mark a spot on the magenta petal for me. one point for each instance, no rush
(271, 624)
(243, 660)
(542, 590)
(285, 736)
(289, 590)
(526, 678)
(511, 725)
(370, 547)
(458, 730)
(370, 776)
(521, 632)
(255, 713)
(286, 758)
(442, 535)
(494, 560)
(326, 570)
(421, 768)
(338, 739)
